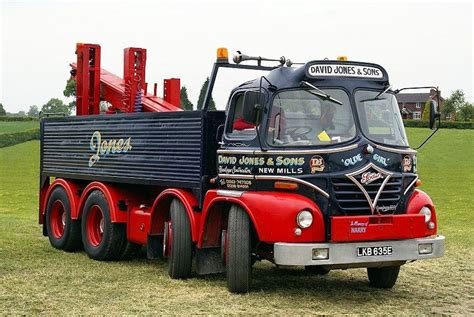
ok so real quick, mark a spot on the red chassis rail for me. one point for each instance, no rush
(94, 84)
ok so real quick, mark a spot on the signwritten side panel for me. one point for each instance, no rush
(240, 167)
(159, 148)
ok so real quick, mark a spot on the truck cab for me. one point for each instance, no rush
(323, 150)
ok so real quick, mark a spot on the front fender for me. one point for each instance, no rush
(273, 214)
(419, 199)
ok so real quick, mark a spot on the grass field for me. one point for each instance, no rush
(17, 126)
(35, 278)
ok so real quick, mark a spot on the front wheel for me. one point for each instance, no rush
(238, 253)
(383, 277)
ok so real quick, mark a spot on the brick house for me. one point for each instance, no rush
(411, 105)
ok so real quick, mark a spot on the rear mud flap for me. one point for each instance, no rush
(154, 248)
(209, 261)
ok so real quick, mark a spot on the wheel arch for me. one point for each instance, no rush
(215, 215)
(161, 206)
(111, 194)
(72, 190)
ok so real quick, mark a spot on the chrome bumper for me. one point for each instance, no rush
(346, 253)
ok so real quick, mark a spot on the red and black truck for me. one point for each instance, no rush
(307, 166)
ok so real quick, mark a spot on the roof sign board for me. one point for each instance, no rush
(317, 70)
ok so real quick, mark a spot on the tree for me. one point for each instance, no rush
(33, 112)
(186, 104)
(55, 105)
(453, 103)
(466, 112)
(70, 91)
(2, 110)
(202, 95)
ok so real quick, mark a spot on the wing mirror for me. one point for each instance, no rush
(434, 114)
(252, 105)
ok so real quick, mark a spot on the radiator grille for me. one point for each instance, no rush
(352, 201)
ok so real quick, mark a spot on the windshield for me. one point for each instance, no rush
(302, 117)
(380, 118)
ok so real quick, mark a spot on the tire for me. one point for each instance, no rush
(63, 232)
(383, 277)
(238, 261)
(316, 269)
(102, 239)
(178, 242)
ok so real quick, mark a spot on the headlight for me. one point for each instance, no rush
(427, 212)
(304, 219)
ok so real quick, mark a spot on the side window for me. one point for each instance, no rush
(236, 126)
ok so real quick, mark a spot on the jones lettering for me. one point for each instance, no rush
(103, 147)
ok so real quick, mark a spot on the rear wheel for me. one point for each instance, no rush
(238, 253)
(383, 277)
(102, 239)
(63, 232)
(177, 242)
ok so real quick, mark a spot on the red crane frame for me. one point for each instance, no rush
(95, 84)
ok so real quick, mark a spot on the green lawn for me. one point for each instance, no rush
(17, 126)
(35, 278)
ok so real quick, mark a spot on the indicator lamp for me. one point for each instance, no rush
(286, 185)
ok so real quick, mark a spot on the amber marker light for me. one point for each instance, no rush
(222, 55)
(286, 185)
(342, 58)
(418, 183)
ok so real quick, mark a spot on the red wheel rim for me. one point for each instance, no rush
(95, 225)
(58, 219)
(167, 239)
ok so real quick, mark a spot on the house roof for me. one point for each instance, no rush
(417, 97)
(414, 97)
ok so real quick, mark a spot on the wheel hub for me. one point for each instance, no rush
(95, 225)
(58, 219)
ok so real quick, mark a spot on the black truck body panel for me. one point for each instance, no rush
(172, 149)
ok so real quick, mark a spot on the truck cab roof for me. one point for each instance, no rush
(326, 73)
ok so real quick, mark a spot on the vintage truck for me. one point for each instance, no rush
(307, 166)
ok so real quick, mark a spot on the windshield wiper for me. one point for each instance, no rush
(320, 93)
(377, 97)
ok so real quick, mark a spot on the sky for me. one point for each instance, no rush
(418, 42)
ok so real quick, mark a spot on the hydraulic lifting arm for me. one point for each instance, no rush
(129, 94)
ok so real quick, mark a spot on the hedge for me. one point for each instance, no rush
(444, 124)
(8, 118)
(8, 139)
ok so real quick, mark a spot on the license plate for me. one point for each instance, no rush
(374, 251)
